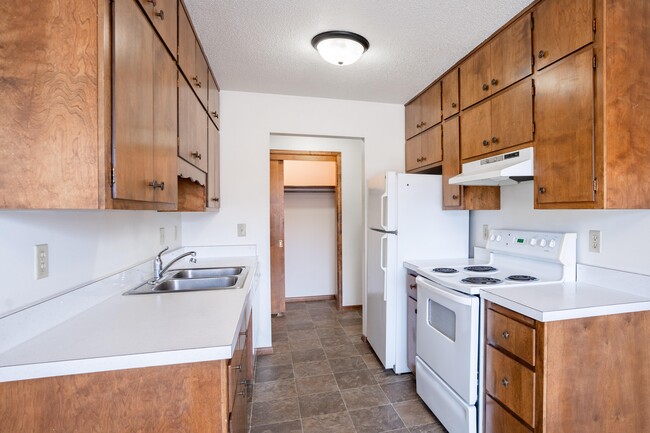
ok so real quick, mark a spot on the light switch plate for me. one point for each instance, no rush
(241, 230)
(162, 236)
(41, 261)
(486, 232)
(594, 241)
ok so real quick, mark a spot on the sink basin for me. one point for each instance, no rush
(194, 280)
(207, 272)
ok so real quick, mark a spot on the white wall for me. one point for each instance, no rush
(247, 122)
(83, 246)
(310, 244)
(625, 233)
(352, 205)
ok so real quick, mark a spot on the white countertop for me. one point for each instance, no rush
(135, 331)
(551, 302)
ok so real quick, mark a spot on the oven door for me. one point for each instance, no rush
(447, 336)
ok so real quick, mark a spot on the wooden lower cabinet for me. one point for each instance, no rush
(589, 375)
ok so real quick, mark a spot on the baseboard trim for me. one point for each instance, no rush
(264, 351)
(310, 298)
(351, 308)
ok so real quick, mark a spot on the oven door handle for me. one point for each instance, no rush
(382, 265)
(382, 214)
(442, 293)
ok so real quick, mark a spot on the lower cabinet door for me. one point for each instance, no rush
(498, 420)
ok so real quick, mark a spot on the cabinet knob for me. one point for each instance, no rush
(486, 143)
(196, 155)
(196, 81)
(242, 393)
(505, 382)
(423, 124)
(541, 54)
(494, 81)
(454, 105)
(495, 140)
(454, 197)
(505, 335)
(155, 185)
(542, 190)
(485, 87)
(215, 114)
(237, 367)
(215, 199)
(424, 158)
(160, 14)
(413, 286)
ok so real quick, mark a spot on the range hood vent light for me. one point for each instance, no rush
(505, 169)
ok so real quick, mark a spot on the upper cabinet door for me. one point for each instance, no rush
(133, 40)
(450, 104)
(430, 107)
(214, 192)
(561, 27)
(451, 194)
(186, 45)
(475, 130)
(200, 83)
(512, 117)
(475, 77)
(412, 118)
(163, 16)
(511, 54)
(213, 100)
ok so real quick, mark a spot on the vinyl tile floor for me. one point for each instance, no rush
(321, 378)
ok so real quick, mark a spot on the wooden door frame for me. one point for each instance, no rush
(307, 155)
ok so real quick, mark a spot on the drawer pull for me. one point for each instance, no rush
(542, 190)
(505, 382)
(454, 197)
(196, 155)
(413, 286)
(160, 15)
(505, 335)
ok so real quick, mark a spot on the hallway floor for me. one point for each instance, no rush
(322, 378)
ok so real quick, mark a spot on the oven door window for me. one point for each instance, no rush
(442, 319)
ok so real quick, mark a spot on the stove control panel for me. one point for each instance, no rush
(544, 245)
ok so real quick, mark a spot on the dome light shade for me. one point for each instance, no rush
(339, 47)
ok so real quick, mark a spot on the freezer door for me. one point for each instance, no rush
(380, 296)
(382, 202)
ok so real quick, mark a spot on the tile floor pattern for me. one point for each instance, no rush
(321, 378)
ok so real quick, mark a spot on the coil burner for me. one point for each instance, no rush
(481, 280)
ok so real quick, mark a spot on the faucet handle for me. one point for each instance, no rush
(160, 253)
(192, 260)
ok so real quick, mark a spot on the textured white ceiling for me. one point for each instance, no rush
(265, 45)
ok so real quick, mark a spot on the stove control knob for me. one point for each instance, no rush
(498, 238)
(542, 243)
(551, 243)
(533, 241)
(492, 237)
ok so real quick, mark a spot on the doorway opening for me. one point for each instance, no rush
(310, 179)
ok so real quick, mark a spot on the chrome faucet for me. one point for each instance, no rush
(159, 270)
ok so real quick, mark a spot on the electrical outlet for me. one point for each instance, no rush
(241, 230)
(41, 261)
(594, 241)
(486, 232)
(162, 236)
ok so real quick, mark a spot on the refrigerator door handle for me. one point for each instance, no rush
(382, 265)
(384, 202)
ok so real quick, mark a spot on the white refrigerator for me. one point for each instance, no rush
(405, 222)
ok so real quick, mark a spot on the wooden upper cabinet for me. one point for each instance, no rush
(424, 111)
(413, 153)
(451, 194)
(201, 84)
(564, 149)
(214, 171)
(450, 95)
(213, 100)
(163, 15)
(186, 45)
(506, 59)
(561, 27)
(192, 127)
(476, 128)
(424, 150)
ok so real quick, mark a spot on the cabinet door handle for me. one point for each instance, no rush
(215, 199)
(486, 143)
(453, 105)
(542, 190)
(454, 197)
(160, 14)
(494, 81)
(505, 335)
(215, 114)
(196, 155)
(485, 87)
(418, 160)
(196, 80)
(418, 125)
(155, 185)
(495, 140)
(505, 382)
(237, 367)
(541, 54)
(424, 158)
(423, 124)
(413, 286)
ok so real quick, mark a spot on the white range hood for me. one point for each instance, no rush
(505, 169)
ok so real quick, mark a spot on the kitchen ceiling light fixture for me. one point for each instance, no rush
(339, 47)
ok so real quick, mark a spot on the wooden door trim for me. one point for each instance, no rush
(308, 155)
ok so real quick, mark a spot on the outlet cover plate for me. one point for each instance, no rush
(594, 241)
(41, 261)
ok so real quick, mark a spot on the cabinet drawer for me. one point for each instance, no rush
(498, 420)
(511, 336)
(511, 383)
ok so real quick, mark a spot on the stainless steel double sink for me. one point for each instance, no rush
(195, 279)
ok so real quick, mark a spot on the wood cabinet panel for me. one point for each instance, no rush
(498, 420)
(512, 336)
(564, 150)
(214, 169)
(511, 383)
(512, 117)
(430, 107)
(561, 27)
(186, 44)
(133, 77)
(431, 146)
(412, 118)
(475, 130)
(192, 127)
(48, 96)
(511, 55)
(413, 149)
(163, 15)
(451, 194)
(450, 95)
(475, 76)
(213, 100)
(201, 83)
